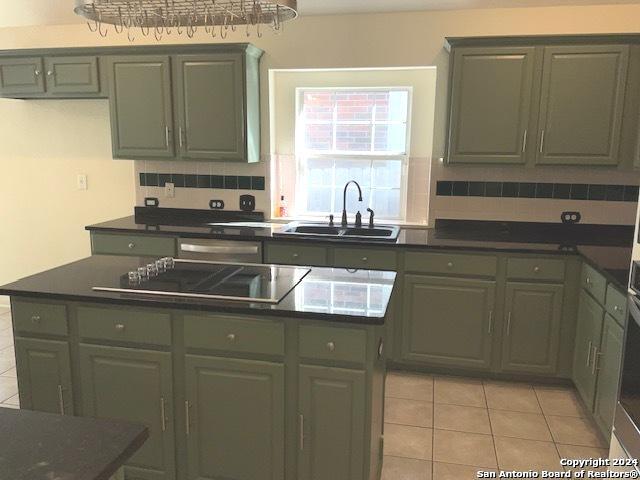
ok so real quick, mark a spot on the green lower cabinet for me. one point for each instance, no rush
(532, 328)
(235, 417)
(331, 424)
(608, 367)
(448, 321)
(133, 385)
(44, 375)
(588, 337)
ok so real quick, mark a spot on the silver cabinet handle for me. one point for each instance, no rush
(589, 353)
(509, 324)
(49, 73)
(542, 142)
(35, 319)
(450, 265)
(596, 354)
(524, 141)
(245, 250)
(490, 331)
(166, 135)
(131, 246)
(596, 361)
(616, 308)
(36, 72)
(180, 134)
(163, 419)
(119, 327)
(588, 281)
(231, 337)
(301, 426)
(331, 346)
(536, 269)
(365, 259)
(186, 417)
(295, 255)
(61, 399)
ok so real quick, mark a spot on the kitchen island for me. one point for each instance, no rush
(287, 390)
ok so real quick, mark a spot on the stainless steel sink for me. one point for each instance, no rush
(382, 233)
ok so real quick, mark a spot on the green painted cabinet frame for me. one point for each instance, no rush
(21, 76)
(491, 103)
(72, 75)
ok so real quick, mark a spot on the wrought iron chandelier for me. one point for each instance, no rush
(162, 17)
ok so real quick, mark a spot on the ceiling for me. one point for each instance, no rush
(53, 12)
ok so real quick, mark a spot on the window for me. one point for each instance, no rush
(352, 134)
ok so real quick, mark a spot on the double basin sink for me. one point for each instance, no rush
(383, 233)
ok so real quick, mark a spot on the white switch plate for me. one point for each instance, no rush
(82, 181)
(169, 190)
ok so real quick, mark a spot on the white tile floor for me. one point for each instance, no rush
(447, 428)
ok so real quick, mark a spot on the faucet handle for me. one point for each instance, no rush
(371, 214)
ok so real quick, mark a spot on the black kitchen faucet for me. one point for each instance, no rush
(344, 201)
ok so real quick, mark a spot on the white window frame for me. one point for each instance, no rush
(302, 155)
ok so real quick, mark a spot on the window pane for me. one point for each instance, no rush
(318, 137)
(318, 199)
(353, 205)
(387, 173)
(392, 106)
(316, 295)
(391, 138)
(386, 203)
(354, 106)
(320, 172)
(318, 106)
(353, 138)
(358, 170)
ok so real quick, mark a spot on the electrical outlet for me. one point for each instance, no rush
(82, 181)
(169, 190)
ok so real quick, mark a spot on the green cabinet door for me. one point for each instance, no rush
(608, 361)
(21, 76)
(331, 422)
(209, 91)
(491, 96)
(235, 419)
(582, 101)
(588, 336)
(141, 106)
(133, 385)
(44, 375)
(532, 328)
(72, 75)
(448, 321)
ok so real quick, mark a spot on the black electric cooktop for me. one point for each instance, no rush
(214, 280)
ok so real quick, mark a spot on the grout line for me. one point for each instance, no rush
(433, 425)
(555, 445)
(493, 437)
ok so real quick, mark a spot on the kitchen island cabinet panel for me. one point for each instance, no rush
(532, 328)
(608, 360)
(44, 375)
(134, 385)
(448, 321)
(295, 254)
(235, 418)
(134, 245)
(331, 424)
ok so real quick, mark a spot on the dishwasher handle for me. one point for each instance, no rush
(219, 249)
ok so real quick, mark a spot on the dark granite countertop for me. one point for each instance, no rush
(606, 247)
(43, 446)
(331, 294)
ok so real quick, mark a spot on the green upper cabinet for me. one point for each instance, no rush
(331, 424)
(581, 107)
(141, 106)
(72, 75)
(532, 328)
(491, 96)
(235, 419)
(195, 106)
(448, 321)
(608, 361)
(133, 385)
(44, 375)
(21, 76)
(588, 336)
(210, 106)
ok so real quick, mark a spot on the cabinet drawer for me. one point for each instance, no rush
(369, 258)
(296, 254)
(535, 268)
(234, 334)
(136, 245)
(44, 318)
(330, 343)
(451, 263)
(119, 325)
(615, 304)
(594, 283)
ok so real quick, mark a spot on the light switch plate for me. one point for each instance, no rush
(82, 181)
